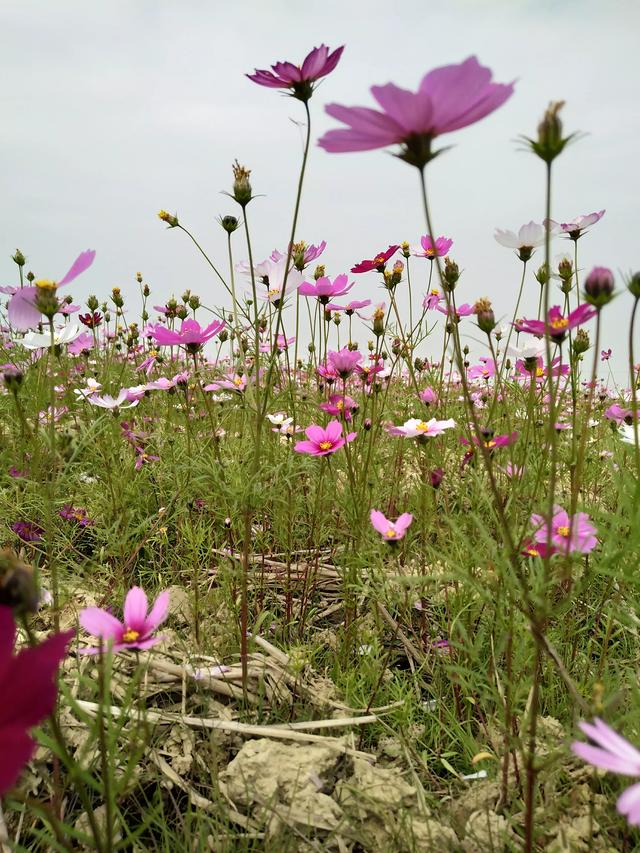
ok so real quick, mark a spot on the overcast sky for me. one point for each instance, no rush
(113, 110)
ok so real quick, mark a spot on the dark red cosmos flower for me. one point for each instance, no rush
(378, 263)
(27, 683)
(91, 320)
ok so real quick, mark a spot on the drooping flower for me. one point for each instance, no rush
(27, 683)
(350, 308)
(430, 249)
(615, 753)
(378, 262)
(485, 371)
(557, 325)
(490, 441)
(137, 628)
(577, 227)
(299, 78)
(325, 289)
(24, 311)
(391, 531)
(191, 335)
(417, 428)
(568, 534)
(528, 237)
(449, 98)
(324, 440)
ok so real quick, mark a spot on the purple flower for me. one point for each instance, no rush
(448, 98)
(28, 531)
(191, 336)
(391, 531)
(76, 514)
(612, 752)
(137, 628)
(300, 79)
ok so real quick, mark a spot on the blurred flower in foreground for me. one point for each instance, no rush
(612, 752)
(448, 98)
(137, 628)
(299, 78)
(27, 683)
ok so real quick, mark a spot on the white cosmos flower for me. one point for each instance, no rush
(63, 335)
(109, 402)
(92, 387)
(532, 350)
(529, 236)
(627, 433)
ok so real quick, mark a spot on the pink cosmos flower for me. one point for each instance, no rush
(449, 98)
(491, 441)
(234, 383)
(325, 289)
(429, 396)
(351, 307)
(537, 549)
(300, 79)
(540, 372)
(23, 310)
(322, 441)
(619, 415)
(568, 534)
(576, 228)
(27, 683)
(605, 354)
(416, 428)
(340, 406)
(191, 336)
(345, 361)
(303, 254)
(377, 263)
(557, 324)
(391, 531)
(82, 344)
(432, 300)
(136, 631)
(431, 250)
(485, 370)
(612, 752)
(464, 310)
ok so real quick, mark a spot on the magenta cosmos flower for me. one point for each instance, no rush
(24, 312)
(324, 289)
(27, 683)
(448, 98)
(391, 531)
(378, 263)
(135, 631)
(322, 441)
(430, 249)
(345, 361)
(191, 335)
(612, 752)
(557, 324)
(299, 78)
(568, 534)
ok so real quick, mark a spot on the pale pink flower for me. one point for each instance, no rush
(417, 428)
(391, 531)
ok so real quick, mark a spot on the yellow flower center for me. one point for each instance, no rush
(274, 293)
(533, 552)
(490, 443)
(130, 636)
(46, 284)
(422, 426)
(390, 534)
(435, 293)
(379, 260)
(237, 381)
(326, 445)
(430, 252)
(562, 531)
(340, 405)
(559, 323)
(539, 371)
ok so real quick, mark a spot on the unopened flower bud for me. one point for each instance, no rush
(450, 275)
(405, 249)
(139, 277)
(319, 272)
(92, 303)
(550, 141)
(598, 287)
(12, 378)
(46, 298)
(19, 258)
(633, 285)
(485, 316)
(194, 302)
(242, 191)
(436, 477)
(367, 424)
(170, 218)
(581, 342)
(186, 296)
(229, 223)
(30, 276)
(182, 312)
(223, 335)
